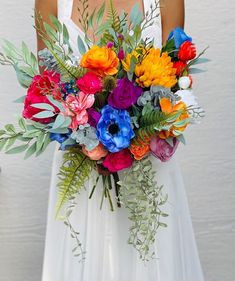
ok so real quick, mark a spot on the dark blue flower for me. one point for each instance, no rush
(179, 37)
(63, 139)
(114, 129)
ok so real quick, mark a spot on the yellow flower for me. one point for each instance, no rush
(102, 60)
(156, 69)
(127, 62)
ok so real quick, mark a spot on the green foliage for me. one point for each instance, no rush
(23, 61)
(74, 172)
(35, 138)
(141, 195)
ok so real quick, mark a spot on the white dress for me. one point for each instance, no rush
(104, 233)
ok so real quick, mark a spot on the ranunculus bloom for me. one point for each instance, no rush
(101, 60)
(139, 150)
(161, 149)
(114, 129)
(97, 153)
(47, 83)
(90, 83)
(125, 94)
(75, 107)
(180, 67)
(118, 161)
(93, 117)
(187, 51)
(179, 37)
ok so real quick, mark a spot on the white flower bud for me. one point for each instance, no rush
(184, 82)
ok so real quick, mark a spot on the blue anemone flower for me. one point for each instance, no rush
(114, 129)
(179, 37)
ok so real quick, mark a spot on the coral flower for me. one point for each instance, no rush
(75, 107)
(102, 60)
(139, 150)
(187, 51)
(97, 153)
(168, 107)
(156, 69)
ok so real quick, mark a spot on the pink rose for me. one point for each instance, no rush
(42, 85)
(75, 107)
(97, 153)
(118, 161)
(162, 149)
(90, 83)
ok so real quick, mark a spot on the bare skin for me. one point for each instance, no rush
(172, 13)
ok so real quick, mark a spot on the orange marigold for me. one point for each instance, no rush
(102, 60)
(156, 69)
(139, 150)
(168, 107)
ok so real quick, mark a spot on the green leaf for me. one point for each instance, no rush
(22, 124)
(17, 149)
(32, 133)
(60, 119)
(100, 14)
(196, 70)
(81, 46)
(26, 53)
(134, 12)
(56, 23)
(44, 114)
(24, 79)
(56, 103)
(2, 132)
(46, 142)
(10, 142)
(2, 143)
(50, 31)
(10, 129)
(73, 174)
(30, 151)
(39, 143)
(65, 34)
(45, 106)
(20, 100)
(59, 131)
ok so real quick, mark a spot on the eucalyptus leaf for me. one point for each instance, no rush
(44, 114)
(18, 149)
(56, 103)
(196, 70)
(20, 100)
(81, 46)
(45, 106)
(30, 151)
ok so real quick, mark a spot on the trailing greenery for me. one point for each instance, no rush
(73, 174)
(141, 195)
(34, 136)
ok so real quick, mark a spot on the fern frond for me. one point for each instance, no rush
(73, 174)
(112, 16)
(67, 71)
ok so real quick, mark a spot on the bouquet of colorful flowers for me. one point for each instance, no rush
(109, 109)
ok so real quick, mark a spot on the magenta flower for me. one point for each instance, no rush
(93, 117)
(118, 161)
(161, 149)
(110, 45)
(90, 83)
(125, 94)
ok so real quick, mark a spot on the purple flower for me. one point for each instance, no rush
(120, 36)
(125, 94)
(93, 117)
(162, 149)
(110, 45)
(121, 54)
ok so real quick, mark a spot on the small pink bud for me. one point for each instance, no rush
(121, 54)
(110, 45)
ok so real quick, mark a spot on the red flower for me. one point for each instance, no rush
(187, 51)
(180, 66)
(47, 83)
(118, 161)
(90, 83)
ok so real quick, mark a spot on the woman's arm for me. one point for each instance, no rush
(172, 14)
(45, 8)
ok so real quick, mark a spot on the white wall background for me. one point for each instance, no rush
(207, 161)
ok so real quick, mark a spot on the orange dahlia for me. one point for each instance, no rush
(102, 60)
(168, 107)
(156, 69)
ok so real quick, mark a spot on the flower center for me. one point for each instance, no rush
(113, 129)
